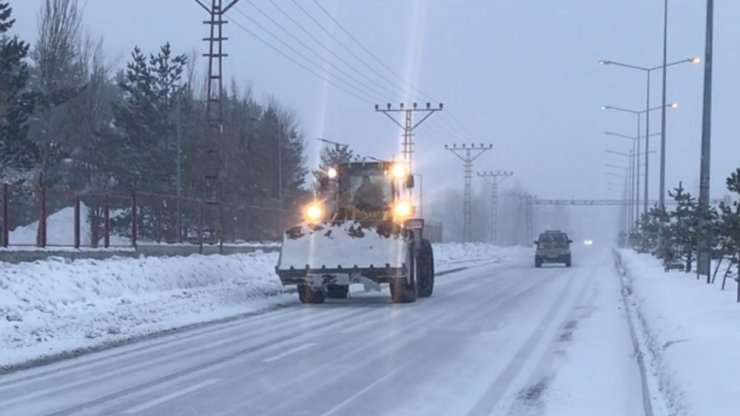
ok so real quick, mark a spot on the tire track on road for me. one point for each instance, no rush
(496, 390)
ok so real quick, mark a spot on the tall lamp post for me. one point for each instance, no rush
(703, 260)
(634, 141)
(629, 195)
(648, 70)
(639, 114)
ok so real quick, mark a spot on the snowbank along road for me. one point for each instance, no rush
(495, 339)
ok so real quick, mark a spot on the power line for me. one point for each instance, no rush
(300, 64)
(352, 52)
(302, 55)
(330, 50)
(349, 34)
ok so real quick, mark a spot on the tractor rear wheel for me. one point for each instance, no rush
(307, 294)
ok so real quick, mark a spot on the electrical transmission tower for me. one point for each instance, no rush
(212, 190)
(215, 55)
(494, 179)
(468, 154)
(408, 126)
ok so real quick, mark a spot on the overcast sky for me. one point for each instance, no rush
(521, 75)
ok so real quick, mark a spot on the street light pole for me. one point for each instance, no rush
(703, 255)
(648, 71)
(661, 197)
(647, 147)
(638, 113)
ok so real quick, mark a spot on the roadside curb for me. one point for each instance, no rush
(626, 291)
(658, 380)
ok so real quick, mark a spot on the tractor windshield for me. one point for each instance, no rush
(370, 191)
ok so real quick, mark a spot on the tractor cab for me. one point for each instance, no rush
(370, 192)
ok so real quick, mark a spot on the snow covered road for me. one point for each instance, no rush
(495, 339)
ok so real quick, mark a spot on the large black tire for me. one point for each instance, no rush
(537, 261)
(404, 290)
(567, 261)
(425, 270)
(337, 291)
(308, 294)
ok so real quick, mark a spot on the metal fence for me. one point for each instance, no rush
(32, 216)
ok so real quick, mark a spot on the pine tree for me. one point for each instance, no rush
(17, 102)
(683, 226)
(729, 221)
(331, 157)
(144, 121)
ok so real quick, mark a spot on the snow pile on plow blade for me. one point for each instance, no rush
(341, 248)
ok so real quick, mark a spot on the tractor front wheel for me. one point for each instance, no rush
(426, 270)
(307, 294)
(404, 289)
(337, 291)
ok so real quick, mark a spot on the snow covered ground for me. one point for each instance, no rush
(691, 331)
(57, 305)
(60, 230)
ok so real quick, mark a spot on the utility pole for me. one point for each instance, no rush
(212, 192)
(494, 179)
(703, 255)
(215, 55)
(468, 154)
(408, 125)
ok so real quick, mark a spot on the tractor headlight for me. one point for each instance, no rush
(313, 212)
(403, 210)
(399, 171)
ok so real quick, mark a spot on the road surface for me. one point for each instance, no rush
(495, 339)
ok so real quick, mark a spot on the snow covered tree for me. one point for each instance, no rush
(57, 79)
(17, 102)
(683, 226)
(650, 229)
(729, 221)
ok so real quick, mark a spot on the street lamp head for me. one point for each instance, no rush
(604, 62)
(604, 107)
(673, 105)
(695, 60)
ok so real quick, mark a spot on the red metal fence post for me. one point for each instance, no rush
(6, 215)
(106, 220)
(77, 221)
(221, 228)
(42, 219)
(133, 219)
(178, 222)
(200, 228)
(159, 221)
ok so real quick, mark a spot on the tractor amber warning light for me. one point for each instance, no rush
(403, 210)
(313, 212)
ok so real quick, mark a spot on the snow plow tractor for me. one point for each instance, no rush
(360, 228)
